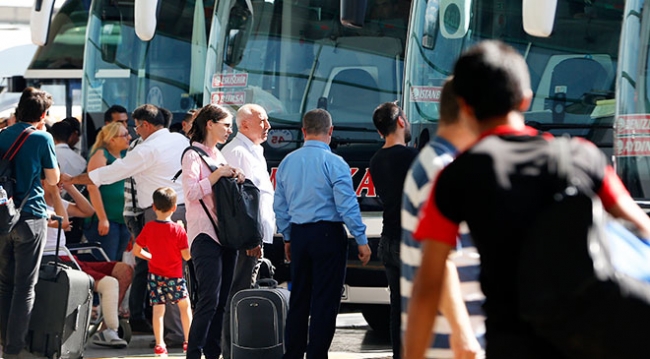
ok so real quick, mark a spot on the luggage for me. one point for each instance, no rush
(257, 318)
(62, 307)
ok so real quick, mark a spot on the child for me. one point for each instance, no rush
(167, 246)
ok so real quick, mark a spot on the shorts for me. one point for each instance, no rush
(97, 270)
(165, 290)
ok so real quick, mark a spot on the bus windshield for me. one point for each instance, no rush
(121, 69)
(572, 71)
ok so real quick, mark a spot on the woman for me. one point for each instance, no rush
(107, 225)
(213, 264)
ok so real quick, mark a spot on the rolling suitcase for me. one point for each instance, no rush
(257, 321)
(62, 307)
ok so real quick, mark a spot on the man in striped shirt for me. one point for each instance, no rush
(459, 332)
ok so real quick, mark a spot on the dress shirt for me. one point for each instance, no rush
(241, 152)
(196, 186)
(70, 161)
(152, 164)
(313, 184)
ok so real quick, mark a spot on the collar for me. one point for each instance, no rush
(508, 130)
(316, 143)
(247, 142)
(156, 134)
(446, 145)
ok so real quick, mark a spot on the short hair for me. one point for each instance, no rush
(385, 117)
(32, 105)
(61, 131)
(149, 113)
(492, 78)
(164, 199)
(317, 122)
(449, 108)
(74, 124)
(211, 112)
(108, 115)
(246, 111)
(189, 115)
(167, 115)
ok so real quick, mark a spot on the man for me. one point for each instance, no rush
(388, 169)
(152, 164)
(245, 152)
(313, 198)
(73, 140)
(115, 113)
(70, 162)
(454, 329)
(22, 248)
(495, 188)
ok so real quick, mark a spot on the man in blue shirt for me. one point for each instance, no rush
(313, 198)
(22, 248)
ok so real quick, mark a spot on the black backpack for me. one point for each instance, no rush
(569, 291)
(238, 209)
(9, 212)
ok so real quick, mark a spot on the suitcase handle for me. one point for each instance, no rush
(59, 220)
(266, 283)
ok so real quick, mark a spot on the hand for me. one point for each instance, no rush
(239, 175)
(464, 345)
(364, 254)
(255, 252)
(287, 252)
(65, 179)
(103, 226)
(222, 171)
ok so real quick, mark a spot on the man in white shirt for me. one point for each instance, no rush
(245, 151)
(70, 162)
(152, 164)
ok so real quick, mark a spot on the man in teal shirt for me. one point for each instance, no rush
(314, 197)
(22, 248)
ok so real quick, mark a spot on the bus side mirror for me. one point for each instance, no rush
(145, 18)
(39, 21)
(454, 18)
(353, 13)
(539, 17)
(240, 25)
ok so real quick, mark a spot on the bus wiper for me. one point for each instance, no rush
(337, 141)
(560, 126)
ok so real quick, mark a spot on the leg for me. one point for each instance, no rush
(297, 323)
(7, 264)
(124, 274)
(393, 276)
(157, 320)
(241, 280)
(213, 348)
(109, 242)
(328, 248)
(138, 295)
(123, 238)
(186, 316)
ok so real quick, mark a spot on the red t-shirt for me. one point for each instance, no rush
(164, 240)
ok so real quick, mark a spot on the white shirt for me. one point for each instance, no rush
(52, 233)
(152, 164)
(70, 161)
(243, 153)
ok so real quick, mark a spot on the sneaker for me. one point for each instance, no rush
(184, 347)
(160, 351)
(109, 338)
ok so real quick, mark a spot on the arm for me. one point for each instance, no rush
(52, 175)
(618, 202)
(425, 299)
(96, 161)
(186, 254)
(52, 192)
(140, 252)
(80, 207)
(194, 186)
(281, 207)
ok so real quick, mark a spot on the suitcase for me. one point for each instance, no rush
(257, 321)
(60, 319)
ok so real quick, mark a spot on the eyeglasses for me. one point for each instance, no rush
(124, 135)
(228, 125)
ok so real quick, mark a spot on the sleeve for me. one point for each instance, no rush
(433, 225)
(346, 200)
(142, 237)
(612, 188)
(183, 243)
(194, 187)
(48, 158)
(280, 206)
(135, 162)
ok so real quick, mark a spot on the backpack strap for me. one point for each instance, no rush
(18, 143)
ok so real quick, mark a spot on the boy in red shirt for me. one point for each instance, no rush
(166, 246)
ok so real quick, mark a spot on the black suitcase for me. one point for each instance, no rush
(257, 321)
(61, 314)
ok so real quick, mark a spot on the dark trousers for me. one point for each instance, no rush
(20, 258)
(318, 258)
(213, 267)
(516, 343)
(241, 280)
(388, 252)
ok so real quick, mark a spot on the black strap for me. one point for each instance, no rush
(18, 143)
(212, 168)
(561, 161)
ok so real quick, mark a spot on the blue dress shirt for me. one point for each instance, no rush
(313, 184)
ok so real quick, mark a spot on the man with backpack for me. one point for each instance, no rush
(22, 248)
(499, 186)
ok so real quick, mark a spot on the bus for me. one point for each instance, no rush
(632, 128)
(162, 65)
(291, 57)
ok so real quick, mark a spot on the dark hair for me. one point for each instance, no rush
(492, 78)
(189, 115)
(164, 199)
(32, 105)
(74, 124)
(149, 113)
(211, 112)
(317, 122)
(385, 117)
(167, 115)
(108, 115)
(61, 131)
(448, 103)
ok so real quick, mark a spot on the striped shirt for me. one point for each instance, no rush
(432, 159)
(131, 208)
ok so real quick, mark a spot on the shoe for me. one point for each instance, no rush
(109, 338)
(184, 347)
(140, 326)
(160, 351)
(172, 344)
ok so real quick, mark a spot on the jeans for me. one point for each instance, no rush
(388, 252)
(241, 280)
(114, 243)
(20, 258)
(214, 266)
